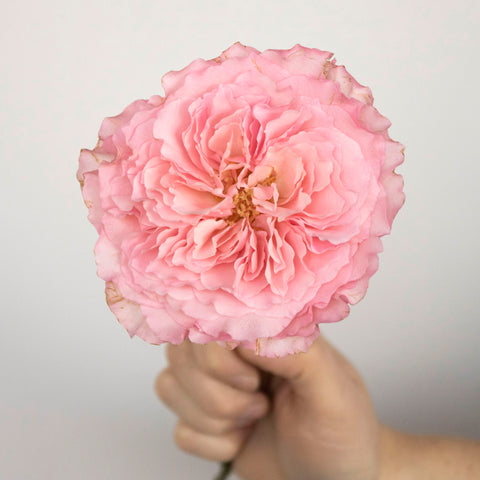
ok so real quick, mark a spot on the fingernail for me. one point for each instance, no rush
(246, 382)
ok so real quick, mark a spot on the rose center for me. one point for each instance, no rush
(243, 206)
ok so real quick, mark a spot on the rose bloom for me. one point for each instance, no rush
(246, 206)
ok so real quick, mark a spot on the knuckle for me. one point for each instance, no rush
(216, 406)
(220, 427)
(176, 358)
(212, 363)
(164, 384)
(354, 377)
(230, 447)
(223, 407)
(350, 373)
(224, 448)
(183, 438)
(171, 352)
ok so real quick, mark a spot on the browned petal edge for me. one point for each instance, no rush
(326, 68)
(94, 156)
(129, 314)
(256, 65)
(258, 346)
(112, 294)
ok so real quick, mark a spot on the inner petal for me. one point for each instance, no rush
(227, 141)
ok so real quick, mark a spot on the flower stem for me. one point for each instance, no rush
(226, 468)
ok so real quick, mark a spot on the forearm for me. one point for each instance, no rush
(411, 457)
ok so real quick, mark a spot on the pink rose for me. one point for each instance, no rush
(247, 205)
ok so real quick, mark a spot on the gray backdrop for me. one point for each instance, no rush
(76, 397)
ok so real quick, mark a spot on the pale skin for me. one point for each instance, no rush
(318, 422)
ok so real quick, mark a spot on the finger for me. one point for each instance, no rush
(226, 366)
(221, 448)
(321, 371)
(213, 397)
(172, 395)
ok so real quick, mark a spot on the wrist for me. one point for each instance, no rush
(393, 462)
(404, 456)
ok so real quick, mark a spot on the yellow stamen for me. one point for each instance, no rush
(243, 206)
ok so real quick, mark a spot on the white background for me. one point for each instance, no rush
(76, 397)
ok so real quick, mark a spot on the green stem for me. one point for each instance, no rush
(224, 472)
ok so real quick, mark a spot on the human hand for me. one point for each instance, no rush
(318, 424)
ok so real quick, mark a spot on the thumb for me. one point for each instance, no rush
(308, 373)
